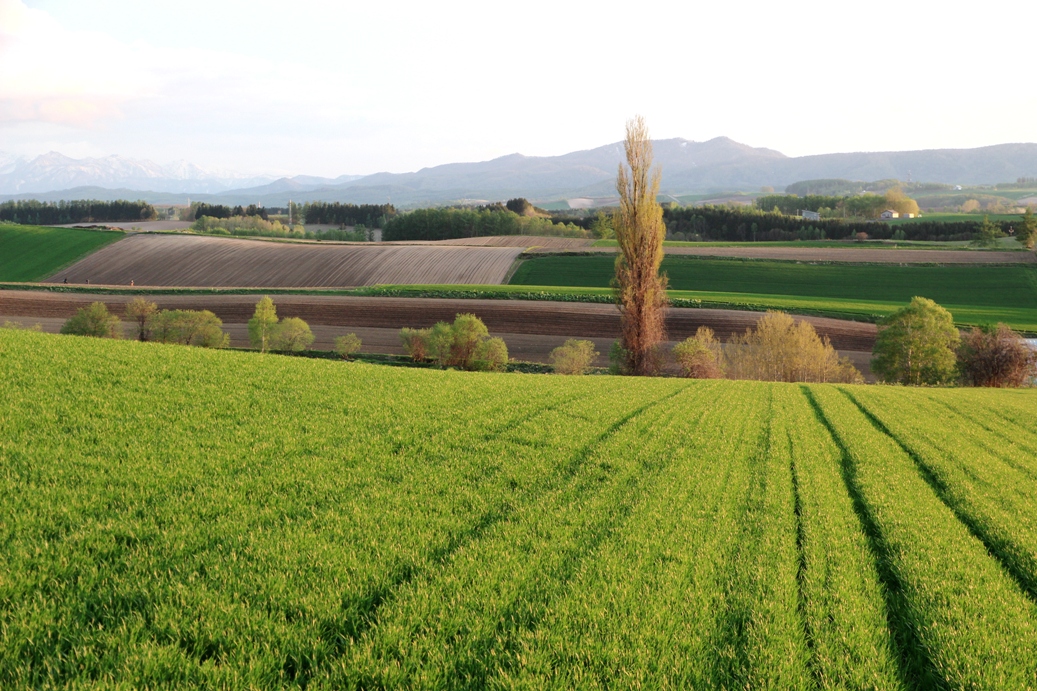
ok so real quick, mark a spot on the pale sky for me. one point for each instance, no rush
(328, 88)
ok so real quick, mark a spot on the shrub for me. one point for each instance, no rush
(469, 331)
(916, 345)
(291, 335)
(783, 349)
(440, 341)
(415, 343)
(700, 356)
(491, 355)
(15, 326)
(461, 344)
(573, 357)
(93, 320)
(140, 311)
(995, 356)
(188, 327)
(347, 345)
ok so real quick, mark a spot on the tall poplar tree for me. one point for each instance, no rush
(640, 231)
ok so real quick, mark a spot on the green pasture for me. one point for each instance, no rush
(31, 253)
(176, 517)
(1005, 244)
(975, 293)
(956, 218)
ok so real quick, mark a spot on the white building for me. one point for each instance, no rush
(889, 213)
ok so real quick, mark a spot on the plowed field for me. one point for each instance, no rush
(183, 260)
(504, 316)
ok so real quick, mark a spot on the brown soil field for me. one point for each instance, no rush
(185, 260)
(839, 254)
(521, 346)
(558, 319)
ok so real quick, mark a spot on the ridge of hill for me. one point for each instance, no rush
(714, 165)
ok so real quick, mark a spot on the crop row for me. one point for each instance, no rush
(173, 517)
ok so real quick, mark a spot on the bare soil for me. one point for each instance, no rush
(539, 318)
(186, 260)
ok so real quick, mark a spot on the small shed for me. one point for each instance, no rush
(889, 213)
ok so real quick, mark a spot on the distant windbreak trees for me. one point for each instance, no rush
(495, 219)
(32, 212)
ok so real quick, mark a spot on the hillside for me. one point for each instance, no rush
(180, 517)
(31, 253)
(688, 166)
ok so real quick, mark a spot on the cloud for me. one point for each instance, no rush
(50, 74)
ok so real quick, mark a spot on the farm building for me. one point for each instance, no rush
(889, 213)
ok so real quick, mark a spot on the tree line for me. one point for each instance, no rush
(32, 212)
(749, 224)
(199, 209)
(368, 215)
(452, 223)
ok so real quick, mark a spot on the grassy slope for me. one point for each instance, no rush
(975, 294)
(173, 516)
(31, 253)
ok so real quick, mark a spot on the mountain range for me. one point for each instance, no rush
(717, 165)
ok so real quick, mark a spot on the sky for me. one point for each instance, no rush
(332, 87)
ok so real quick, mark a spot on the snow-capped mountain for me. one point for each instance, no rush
(55, 171)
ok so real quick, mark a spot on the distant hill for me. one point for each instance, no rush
(716, 165)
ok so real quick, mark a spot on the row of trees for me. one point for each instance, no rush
(255, 226)
(368, 215)
(866, 206)
(199, 328)
(31, 212)
(749, 224)
(452, 223)
(199, 209)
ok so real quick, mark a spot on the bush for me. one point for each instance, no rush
(461, 344)
(782, 349)
(292, 335)
(15, 326)
(93, 320)
(415, 343)
(347, 345)
(995, 356)
(188, 327)
(140, 311)
(491, 355)
(916, 345)
(573, 357)
(700, 356)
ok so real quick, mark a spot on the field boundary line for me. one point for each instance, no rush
(914, 660)
(1000, 550)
